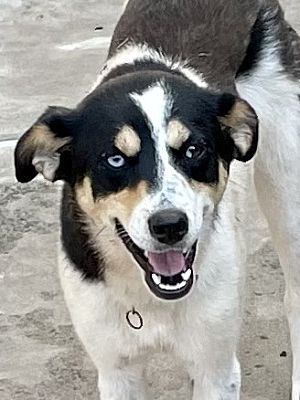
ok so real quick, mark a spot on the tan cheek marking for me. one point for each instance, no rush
(128, 141)
(214, 191)
(177, 134)
(119, 205)
(128, 199)
(84, 196)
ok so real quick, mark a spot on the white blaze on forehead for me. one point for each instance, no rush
(130, 54)
(173, 191)
(156, 105)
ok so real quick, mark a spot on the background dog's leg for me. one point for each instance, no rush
(233, 386)
(275, 98)
(122, 384)
(279, 197)
(292, 303)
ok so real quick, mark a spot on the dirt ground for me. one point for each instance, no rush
(50, 54)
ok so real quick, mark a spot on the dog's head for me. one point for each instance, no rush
(148, 159)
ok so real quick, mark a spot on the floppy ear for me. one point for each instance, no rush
(240, 122)
(46, 147)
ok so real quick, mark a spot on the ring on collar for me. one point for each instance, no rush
(138, 320)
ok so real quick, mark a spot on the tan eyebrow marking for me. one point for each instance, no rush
(177, 134)
(128, 141)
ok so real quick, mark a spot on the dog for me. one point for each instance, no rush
(197, 100)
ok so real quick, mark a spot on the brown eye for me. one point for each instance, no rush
(194, 152)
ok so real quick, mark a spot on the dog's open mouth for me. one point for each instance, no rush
(170, 274)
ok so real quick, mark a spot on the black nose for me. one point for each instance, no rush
(168, 226)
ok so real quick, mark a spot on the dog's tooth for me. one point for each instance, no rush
(173, 287)
(181, 285)
(165, 287)
(186, 275)
(156, 279)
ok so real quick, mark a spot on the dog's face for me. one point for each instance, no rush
(148, 159)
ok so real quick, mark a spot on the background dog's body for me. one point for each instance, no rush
(235, 46)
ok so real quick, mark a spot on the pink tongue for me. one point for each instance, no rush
(168, 264)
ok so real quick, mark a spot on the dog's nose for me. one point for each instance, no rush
(169, 226)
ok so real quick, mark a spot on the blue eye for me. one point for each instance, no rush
(116, 161)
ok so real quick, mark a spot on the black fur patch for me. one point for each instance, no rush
(101, 116)
(257, 43)
(76, 240)
(198, 110)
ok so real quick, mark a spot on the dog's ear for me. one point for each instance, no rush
(240, 122)
(46, 147)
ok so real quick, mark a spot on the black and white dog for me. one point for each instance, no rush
(156, 186)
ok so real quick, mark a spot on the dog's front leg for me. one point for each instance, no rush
(122, 384)
(222, 386)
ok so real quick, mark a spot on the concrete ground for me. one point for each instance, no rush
(50, 54)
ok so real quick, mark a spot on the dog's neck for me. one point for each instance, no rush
(140, 67)
(133, 58)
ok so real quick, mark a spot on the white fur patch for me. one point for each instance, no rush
(132, 53)
(274, 97)
(156, 104)
(212, 309)
(173, 190)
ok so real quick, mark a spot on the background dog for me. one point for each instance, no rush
(150, 181)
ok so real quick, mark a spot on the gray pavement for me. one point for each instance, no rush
(50, 54)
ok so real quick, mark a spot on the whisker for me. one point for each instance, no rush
(100, 231)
